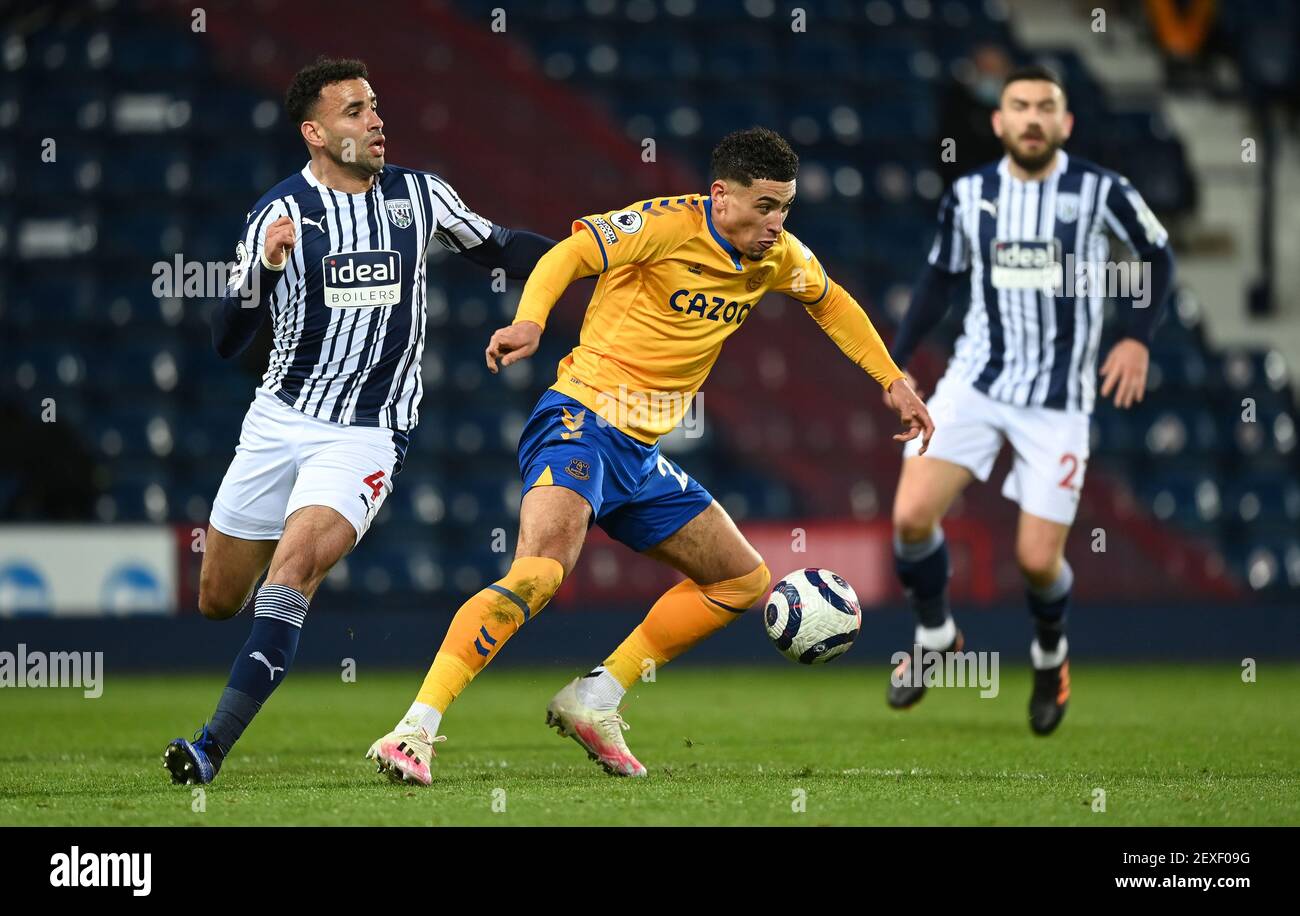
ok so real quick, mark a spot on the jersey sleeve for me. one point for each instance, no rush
(250, 252)
(252, 283)
(456, 227)
(634, 235)
(950, 251)
(802, 275)
(1129, 217)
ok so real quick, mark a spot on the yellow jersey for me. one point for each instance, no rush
(671, 291)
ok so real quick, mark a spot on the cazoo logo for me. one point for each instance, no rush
(710, 308)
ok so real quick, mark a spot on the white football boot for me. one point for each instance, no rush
(600, 732)
(404, 754)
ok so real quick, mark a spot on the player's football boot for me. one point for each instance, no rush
(906, 686)
(195, 761)
(1050, 698)
(404, 754)
(599, 731)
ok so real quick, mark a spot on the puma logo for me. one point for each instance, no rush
(314, 222)
(263, 659)
(990, 207)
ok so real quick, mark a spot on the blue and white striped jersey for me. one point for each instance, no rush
(348, 311)
(1037, 253)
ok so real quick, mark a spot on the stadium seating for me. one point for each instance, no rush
(159, 412)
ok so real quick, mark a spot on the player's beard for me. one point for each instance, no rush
(1034, 163)
(363, 163)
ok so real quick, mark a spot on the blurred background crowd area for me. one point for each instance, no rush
(166, 129)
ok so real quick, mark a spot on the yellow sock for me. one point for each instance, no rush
(683, 616)
(484, 623)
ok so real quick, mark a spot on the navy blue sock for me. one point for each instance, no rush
(261, 664)
(1049, 606)
(923, 570)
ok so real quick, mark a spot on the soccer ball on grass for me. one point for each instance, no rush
(812, 616)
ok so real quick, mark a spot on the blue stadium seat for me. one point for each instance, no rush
(1193, 501)
(143, 49)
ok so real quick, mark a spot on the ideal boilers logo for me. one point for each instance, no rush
(1026, 264)
(362, 279)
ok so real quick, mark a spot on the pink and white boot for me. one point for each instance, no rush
(599, 731)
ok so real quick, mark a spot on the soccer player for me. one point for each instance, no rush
(678, 276)
(1026, 237)
(335, 254)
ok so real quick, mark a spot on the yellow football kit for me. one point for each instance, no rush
(671, 291)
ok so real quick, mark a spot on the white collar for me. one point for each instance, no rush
(315, 182)
(1062, 164)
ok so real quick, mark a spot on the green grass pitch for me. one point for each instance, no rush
(727, 746)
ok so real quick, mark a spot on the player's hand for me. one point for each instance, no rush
(911, 383)
(513, 343)
(280, 239)
(1125, 372)
(911, 413)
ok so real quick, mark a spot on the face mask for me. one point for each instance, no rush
(988, 89)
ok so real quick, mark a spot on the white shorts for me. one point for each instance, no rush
(287, 460)
(1051, 447)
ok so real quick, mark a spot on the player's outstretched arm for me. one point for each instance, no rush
(516, 251)
(511, 344)
(845, 322)
(243, 305)
(577, 256)
(912, 412)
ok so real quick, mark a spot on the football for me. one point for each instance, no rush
(812, 616)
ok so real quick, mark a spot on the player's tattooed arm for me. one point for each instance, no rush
(243, 304)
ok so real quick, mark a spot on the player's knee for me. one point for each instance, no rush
(762, 581)
(913, 522)
(532, 581)
(743, 592)
(1039, 563)
(560, 545)
(302, 571)
(217, 605)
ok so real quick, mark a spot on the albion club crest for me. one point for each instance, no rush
(399, 212)
(1067, 207)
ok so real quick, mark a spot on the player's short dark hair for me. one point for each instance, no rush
(304, 90)
(754, 154)
(1034, 72)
